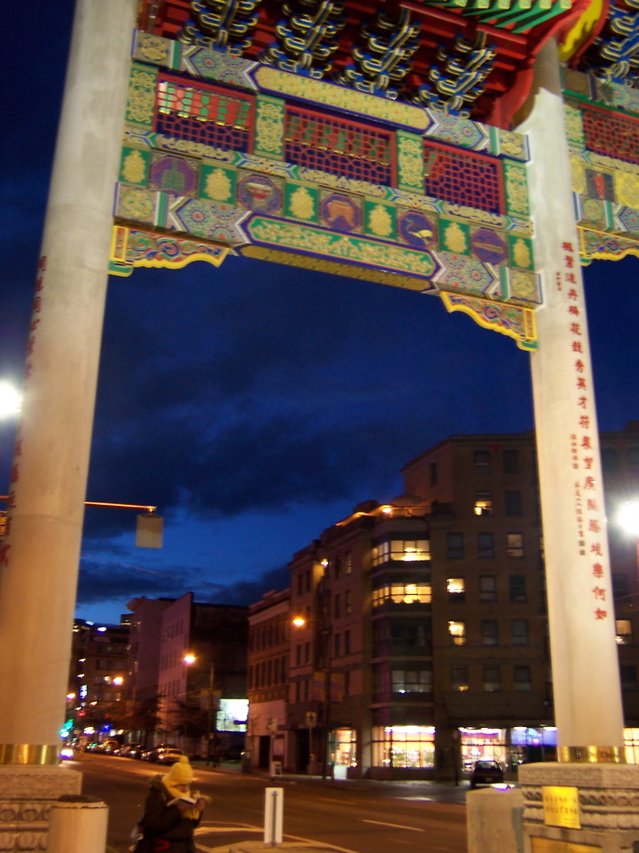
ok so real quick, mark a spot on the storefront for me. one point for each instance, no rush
(404, 746)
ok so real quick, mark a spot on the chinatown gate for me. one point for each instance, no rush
(479, 151)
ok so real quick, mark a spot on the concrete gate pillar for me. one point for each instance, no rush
(39, 558)
(589, 799)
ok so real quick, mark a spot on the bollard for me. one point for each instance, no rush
(77, 824)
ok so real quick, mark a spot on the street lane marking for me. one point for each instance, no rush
(394, 825)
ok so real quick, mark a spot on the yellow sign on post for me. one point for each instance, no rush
(561, 806)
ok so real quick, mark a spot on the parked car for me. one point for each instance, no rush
(129, 748)
(169, 756)
(486, 772)
(234, 752)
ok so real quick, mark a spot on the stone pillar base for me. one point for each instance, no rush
(26, 795)
(580, 808)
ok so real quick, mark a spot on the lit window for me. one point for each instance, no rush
(459, 678)
(399, 593)
(412, 681)
(401, 550)
(456, 589)
(483, 503)
(624, 631)
(457, 631)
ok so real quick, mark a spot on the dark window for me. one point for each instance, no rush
(481, 461)
(517, 588)
(298, 655)
(485, 545)
(510, 461)
(522, 678)
(519, 632)
(633, 457)
(492, 678)
(628, 677)
(489, 632)
(459, 677)
(512, 502)
(347, 642)
(609, 459)
(620, 586)
(515, 544)
(487, 589)
(347, 601)
(338, 567)
(433, 473)
(336, 645)
(455, 543)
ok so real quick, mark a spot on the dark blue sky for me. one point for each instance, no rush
(254, 404)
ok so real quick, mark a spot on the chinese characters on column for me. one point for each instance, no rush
(590, 524)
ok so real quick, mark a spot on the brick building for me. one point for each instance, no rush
(424, 642)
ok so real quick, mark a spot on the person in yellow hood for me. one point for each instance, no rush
(169, 820)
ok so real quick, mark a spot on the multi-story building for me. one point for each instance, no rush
(268, 672)
(424, 638)
(97, 678)
(202, 658)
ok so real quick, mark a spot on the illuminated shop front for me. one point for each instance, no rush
(404, 746)
(631, 742)
(509, 747)
(343, 747)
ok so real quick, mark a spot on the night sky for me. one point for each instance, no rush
(255, 404)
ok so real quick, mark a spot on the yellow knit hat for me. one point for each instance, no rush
(181, 773)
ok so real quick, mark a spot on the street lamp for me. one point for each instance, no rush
(10, 400)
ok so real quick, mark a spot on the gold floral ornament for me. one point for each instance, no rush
(269, 126)
(302, 204)
(521, 254)
(218, 185)
(578, 172)
(134, 168)
(380, 221)
(455, 238)
(153, 48)
(627, 189)
(141, 104)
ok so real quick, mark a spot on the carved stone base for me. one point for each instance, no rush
(602, 813)
(26, 795)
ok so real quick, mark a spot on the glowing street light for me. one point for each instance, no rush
(10, 400)
(628, 517)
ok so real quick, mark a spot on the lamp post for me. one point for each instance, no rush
(324, 637)
(190, 659)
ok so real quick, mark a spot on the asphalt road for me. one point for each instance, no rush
(358, 816)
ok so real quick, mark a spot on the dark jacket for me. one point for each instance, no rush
(164, 827)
